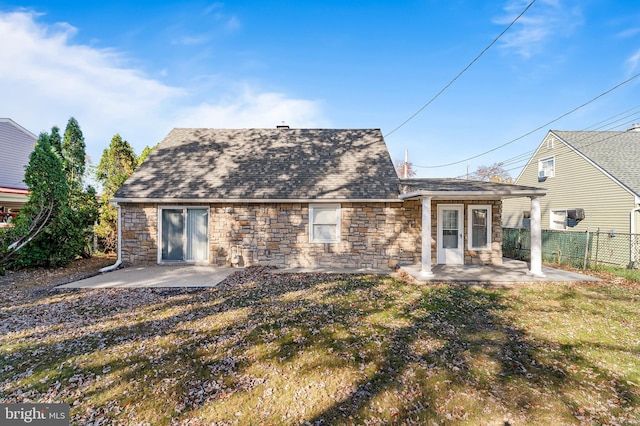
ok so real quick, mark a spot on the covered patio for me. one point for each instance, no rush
(440, 237)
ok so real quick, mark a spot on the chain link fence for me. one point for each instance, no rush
(579, 249)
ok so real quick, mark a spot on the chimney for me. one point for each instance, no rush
(635, 127)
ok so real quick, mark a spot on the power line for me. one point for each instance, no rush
(577, 143)
(536, 129)
(607, 122)
(461, 72)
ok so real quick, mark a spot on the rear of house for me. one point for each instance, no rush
(300, 198)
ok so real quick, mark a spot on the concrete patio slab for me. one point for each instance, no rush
(156, 276)
(511, 271)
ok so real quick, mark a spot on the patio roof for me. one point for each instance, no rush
(459, 189)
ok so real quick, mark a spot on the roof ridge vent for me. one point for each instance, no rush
(635, 127)
(282, 126)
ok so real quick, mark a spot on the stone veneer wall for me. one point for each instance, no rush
(139, 233)
(374, 235)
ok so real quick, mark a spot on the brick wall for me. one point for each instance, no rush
(374, 235)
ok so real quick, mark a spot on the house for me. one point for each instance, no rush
(16, 144)
(592, 180)
(303, 198)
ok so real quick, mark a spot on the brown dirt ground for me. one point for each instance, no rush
(42, 277)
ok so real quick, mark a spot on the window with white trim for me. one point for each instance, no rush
(324, 223)
(558, 219)
(479, 227)
(546, 168)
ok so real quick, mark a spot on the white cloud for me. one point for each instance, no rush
(45, 78)
(628, 33)
(633, 62)
(543, 21)
(250, 109)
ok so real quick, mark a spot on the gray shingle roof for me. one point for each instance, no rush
(237, 164)
(447, 185)
(616, 152)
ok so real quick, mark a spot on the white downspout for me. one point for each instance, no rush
(119, 259)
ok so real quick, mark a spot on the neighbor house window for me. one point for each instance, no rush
(546, 168)
(550, 143)
(558, 219)
(479, 222)
(324, 223)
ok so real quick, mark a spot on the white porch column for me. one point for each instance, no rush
(536, 238)
(426, 238)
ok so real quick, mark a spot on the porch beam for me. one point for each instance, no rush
(536, 239)
(425, 270)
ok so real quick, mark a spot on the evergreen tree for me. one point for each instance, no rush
(55, 140)
(55, 177)
(116, 164)
(145, 153)
(48, 191)
(73, 152)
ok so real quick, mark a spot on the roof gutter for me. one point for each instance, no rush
(254, 200)
(119, 259)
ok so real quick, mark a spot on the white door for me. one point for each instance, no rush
(450, 234)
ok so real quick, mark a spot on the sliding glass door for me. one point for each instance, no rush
(184, 234)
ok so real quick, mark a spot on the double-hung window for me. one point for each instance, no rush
(546, 168)
(324, 223)
(479, 224)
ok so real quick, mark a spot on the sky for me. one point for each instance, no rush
(141, 68)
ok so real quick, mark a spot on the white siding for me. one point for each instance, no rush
(576, 183)
(15, 146)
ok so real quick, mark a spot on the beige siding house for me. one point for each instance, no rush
(302, 198)
(592, 179)
(16, 144)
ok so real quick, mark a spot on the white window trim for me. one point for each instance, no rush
(312, 238)
(487, 208)
(540, 168)
(552, 222)
(159, 225)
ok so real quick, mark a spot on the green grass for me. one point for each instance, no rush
(626, 273)
(327, 349)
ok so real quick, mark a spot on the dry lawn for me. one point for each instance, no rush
(325, 349)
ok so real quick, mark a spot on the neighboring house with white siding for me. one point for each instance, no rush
(592, 180)
(16, 144)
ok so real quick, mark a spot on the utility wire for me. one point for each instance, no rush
(461, 72)
(536, 129)
(597, 126)
(576, 143)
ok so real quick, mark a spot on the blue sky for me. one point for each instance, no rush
(142, 68)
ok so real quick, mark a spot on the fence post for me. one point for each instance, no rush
(597, 245)
(586, 252)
